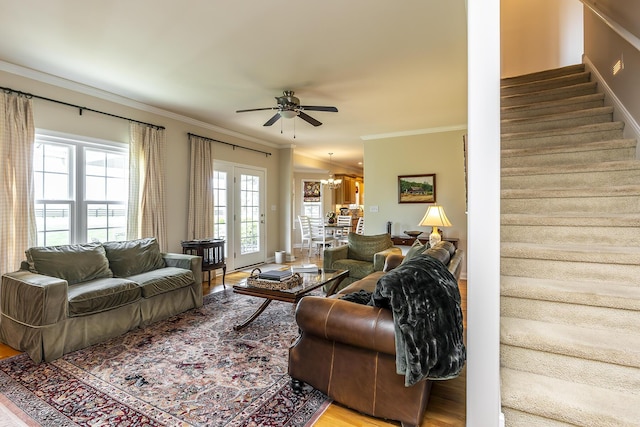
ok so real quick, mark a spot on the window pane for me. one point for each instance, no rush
(55, 238)
(56, 158)
(53, 224)
(116, 189)
(95, 188)
(96, 216)
(56, 186)
(97, 235)
(117, 166)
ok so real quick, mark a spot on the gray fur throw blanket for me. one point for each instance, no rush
(424, 298)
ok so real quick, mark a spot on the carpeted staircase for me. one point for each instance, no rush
(570, 256)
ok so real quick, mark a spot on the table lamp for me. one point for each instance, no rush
(435, 217)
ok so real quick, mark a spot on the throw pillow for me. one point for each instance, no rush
(131, 257)
(416, 249)
(73, 263)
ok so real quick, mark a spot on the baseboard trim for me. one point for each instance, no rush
(631, 127)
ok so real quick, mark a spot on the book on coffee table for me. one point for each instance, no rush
(305, 268)
(279, 275)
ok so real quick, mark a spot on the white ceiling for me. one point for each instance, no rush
(390, 67)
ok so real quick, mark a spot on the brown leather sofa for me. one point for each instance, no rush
(347, 350)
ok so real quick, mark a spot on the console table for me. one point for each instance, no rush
(408, 241)
(212, 253)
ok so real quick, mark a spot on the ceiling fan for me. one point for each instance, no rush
(289, 107)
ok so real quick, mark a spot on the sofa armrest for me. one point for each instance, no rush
(392, 261)
(33, 299)
(188, 262)
(343, 321)
(333, 254)
(380, 257)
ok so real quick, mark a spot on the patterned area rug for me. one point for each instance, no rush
(192, 369)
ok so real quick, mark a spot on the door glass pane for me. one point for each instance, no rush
(220, 210)
(250, 214)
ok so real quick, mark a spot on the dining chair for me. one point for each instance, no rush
(344, 225)
(319, 234)
(305, 232)
(360, 225)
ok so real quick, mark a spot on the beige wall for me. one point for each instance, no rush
(55, 117)
(386, 159)
(603, 48)
(539, 34)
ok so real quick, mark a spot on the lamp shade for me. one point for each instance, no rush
(435, 217)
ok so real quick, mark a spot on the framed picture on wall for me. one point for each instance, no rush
(417, 188)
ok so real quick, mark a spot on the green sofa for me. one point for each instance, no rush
(362, 255)
(69, 297)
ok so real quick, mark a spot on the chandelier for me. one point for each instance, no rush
(331, 182)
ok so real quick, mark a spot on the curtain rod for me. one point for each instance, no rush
(267, 154)
(80, 108)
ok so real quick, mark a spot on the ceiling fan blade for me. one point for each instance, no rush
(257, 109)
(318, 108)
(272, 120)
(308, 118)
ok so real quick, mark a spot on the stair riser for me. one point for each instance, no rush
(551, 95)
(615, 377)
(588, 235)
(542, 85)
(570, 314)
(533, 141)
(559, 107)
(596, 205)
(562, 270)
(578, 157)
(556, 124)
(572, 179)
(543, 75)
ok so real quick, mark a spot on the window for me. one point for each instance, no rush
(311, 199)
(81, 190)
(220, 202)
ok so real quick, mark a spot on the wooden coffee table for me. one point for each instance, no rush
(310, 282)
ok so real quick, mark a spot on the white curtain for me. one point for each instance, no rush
(146, 212)
(200, 222)
(17, 215)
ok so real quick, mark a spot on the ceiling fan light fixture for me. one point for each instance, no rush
(288, 114)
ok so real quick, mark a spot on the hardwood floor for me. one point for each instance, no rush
(447, 404)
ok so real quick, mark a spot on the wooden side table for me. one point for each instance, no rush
(212, 253)
(408, 241)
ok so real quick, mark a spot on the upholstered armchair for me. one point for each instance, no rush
(362, 255)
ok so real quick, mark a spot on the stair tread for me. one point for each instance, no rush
(564, 131)
(610, 166)
(579, 219)
(604, 344)
(550, 104)
(580, 404)
(564, 252)
(558, 116)
(512, 100)
(541, 75)
(594, 293)
(569, 148)
(569, 192)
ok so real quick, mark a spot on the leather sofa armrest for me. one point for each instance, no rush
(333, 254)
(347, 322)
(188, 262)
(392, 261)
(33, 299)
(380, 257)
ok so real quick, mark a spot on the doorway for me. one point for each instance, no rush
(239, 215)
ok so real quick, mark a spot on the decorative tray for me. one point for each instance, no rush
(255, 281)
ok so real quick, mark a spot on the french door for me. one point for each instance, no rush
(239, 214)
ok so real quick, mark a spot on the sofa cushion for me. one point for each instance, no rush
(440, 253)
(357, 269)
(162, 280)
(73, 263)
(131, 257)
(363, 247)
(98, 295)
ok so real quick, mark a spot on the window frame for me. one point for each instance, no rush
(77, 201)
